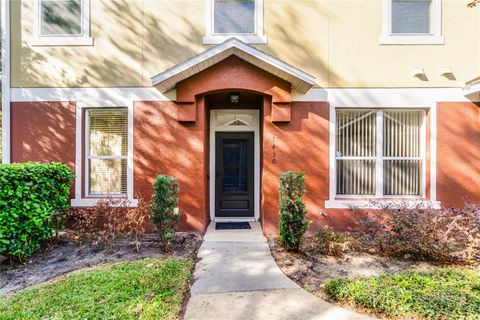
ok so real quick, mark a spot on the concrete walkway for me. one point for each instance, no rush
(237, 278)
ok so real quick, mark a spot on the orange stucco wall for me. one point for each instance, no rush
(165, 146)
(43, 131)
(458, 153)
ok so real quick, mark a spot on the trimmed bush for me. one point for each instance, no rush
(164, 209)
(31, 197)
(292, 210)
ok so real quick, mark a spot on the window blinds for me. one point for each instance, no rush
(399, 160)
(234, 16)
(356, 152)
(411, 16)
(107, 151)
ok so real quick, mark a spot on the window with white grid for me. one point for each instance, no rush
(241, 19)
(61, 22)
(380, 153)
(412, 22)
(106, 149)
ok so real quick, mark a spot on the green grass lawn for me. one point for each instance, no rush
(441, 294)
(144, 289)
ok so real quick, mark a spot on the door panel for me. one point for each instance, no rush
(234, 166)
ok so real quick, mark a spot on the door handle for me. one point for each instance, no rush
(217, 175)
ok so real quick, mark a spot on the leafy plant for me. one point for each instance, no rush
(165, 215)
(445, 235)
(440, 294)
(292, 210)
(334, 243)
(32, 196)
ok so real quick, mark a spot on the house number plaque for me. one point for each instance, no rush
(274, 153)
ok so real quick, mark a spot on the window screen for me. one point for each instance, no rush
(107, 151)
(60, 17)
(234, 16)
(411, 16)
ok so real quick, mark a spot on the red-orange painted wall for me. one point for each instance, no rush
(43, 131)
(164, 146)
(458, 153)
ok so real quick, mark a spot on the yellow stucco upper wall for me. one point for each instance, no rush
(336, 41)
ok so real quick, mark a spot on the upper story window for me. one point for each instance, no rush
(412, 22)
(380, 153)
(61, 22)
(242, 19)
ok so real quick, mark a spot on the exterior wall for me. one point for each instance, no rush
(165, 146)
(458, 172)
(43, 132)
(300, 145)
(134, 40)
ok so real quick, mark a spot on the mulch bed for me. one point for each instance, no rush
(68, 255)
(311, 269)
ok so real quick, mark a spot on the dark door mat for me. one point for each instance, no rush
(232, 225)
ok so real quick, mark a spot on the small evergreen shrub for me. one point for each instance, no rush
(292, 210)
(164, 209)
(32, 196)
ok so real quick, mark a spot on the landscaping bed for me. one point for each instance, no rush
(68, 255)
(142, 289)
(311, 269)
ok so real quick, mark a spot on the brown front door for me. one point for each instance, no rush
(234, 166)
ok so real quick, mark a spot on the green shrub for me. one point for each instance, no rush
(440, 294)
(164, 209)
(292, 210)
(31, 197)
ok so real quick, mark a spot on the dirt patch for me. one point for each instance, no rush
(310, 269)
(68, 255)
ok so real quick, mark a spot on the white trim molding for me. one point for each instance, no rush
(434, 37)
(212, 38)
(253, 127)
(379, 204)
(82, 39)
(82, 201)
(5, 17)
(168, 79)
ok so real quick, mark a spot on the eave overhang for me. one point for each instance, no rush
(168, 79)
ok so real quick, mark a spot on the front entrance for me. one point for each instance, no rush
(234, 165)
(234, 174)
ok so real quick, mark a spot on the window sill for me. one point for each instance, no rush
(250, 39)
(61, 41)
(412, 40)
(91, 202)
(379, 203)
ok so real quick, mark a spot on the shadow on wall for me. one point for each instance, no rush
(123, 38)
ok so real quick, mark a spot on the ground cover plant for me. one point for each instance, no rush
(440, 294)
(32, 198)
(143, 289)
(292, 223)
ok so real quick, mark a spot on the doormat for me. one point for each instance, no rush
(232, 225)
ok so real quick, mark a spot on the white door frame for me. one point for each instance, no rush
(253, 127)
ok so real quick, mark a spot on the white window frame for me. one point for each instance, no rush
(434, 37)
(365, 201)
(255, 38)
(88, 201)
(82, 39)
(90, 157)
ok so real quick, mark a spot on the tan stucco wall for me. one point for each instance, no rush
(336, 41)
